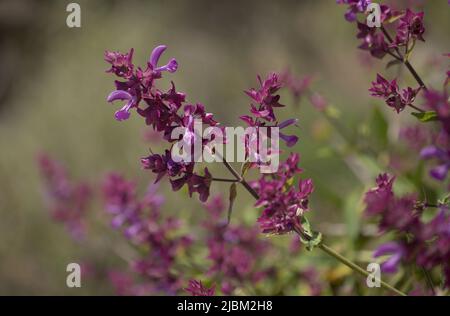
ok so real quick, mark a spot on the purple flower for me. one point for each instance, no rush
(409, 27)
(121, 64)
(171, 66)
(263, 111)
(372, 40)
(282, 203)
(354, 7)
(396, 251)
(139, 85)
(416, 136)
(124, 112)
(265, 98)
(297, 86)
(196, 288)
(233, 249)
(290, 140)
(201, 184)
(140, 220)
(442, 156)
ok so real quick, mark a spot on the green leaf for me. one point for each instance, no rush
(232, 197)
(313, 238)
(428, 116)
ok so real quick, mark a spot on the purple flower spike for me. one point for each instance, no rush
(431, 152)
(290, 140)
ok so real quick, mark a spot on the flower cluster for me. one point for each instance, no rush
(68, 201)
(143, 224)
(409, 28)
(163, 111)
(426, 243)
(282, 201)
(389, 91)
(265, 100)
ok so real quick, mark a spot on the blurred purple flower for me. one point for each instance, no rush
(395, 250)
(442, 156)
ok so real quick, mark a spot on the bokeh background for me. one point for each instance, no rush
(52, 99)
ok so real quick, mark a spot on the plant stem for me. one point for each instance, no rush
(321, 246)
(224, 180)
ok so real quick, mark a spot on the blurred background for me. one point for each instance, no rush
(53, 87)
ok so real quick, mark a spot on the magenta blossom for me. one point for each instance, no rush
(410, 27)
(442, 156)
(283, 203)
(139, 82)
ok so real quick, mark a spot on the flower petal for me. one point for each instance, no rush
(156, 54)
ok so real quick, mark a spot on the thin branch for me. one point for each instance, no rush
(224, 180)
(321, 246)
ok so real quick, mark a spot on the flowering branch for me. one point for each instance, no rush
(328, 250)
